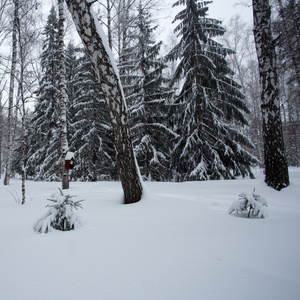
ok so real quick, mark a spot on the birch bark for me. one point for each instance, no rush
(97, 47)
(62, 96)
(11, 94)
(276, 168)
(23, 112)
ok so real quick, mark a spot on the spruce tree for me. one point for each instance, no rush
(91, 141)
(146, 93)
(210, 104)
(44, 155)
(71, 64)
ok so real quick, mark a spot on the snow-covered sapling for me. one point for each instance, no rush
(253, 204)
(60, 215)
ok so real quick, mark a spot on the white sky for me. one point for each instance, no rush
(224, 9)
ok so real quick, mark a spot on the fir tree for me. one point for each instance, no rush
(44, 155)
(146, 95)
(210, 104)
(71, 68)
(92, 136)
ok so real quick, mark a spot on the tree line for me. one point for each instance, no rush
(188, 112)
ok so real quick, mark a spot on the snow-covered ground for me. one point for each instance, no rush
(179, 242)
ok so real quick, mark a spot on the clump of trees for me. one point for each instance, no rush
(193, 124)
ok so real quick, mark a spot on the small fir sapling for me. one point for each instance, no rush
(60, 215)
(254, 204)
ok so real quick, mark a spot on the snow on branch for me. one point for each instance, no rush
(60, 215)
(255, 205)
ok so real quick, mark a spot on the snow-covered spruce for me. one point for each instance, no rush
(60, 215)
(253, 204)
(147, 96)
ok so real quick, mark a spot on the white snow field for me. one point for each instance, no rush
(179, 242)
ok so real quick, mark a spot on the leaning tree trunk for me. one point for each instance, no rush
(103, 62)
(62, 96)
(276, 167)
(11, 94)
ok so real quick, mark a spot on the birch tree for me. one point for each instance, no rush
(23, 115)
(276, 168)
(97, 47)
(62, 95)
(11, 93)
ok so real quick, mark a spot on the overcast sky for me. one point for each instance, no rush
(224, 9)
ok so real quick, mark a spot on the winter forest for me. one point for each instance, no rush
(194, 103)
(192, 118)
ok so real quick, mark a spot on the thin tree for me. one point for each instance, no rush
(62, 95)
(1, 132)
(11, 93)
(23, 112)
(97, 47)
(27, 36)
(276, 168)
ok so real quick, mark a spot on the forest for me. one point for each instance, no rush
(194, 103)
(198, 127)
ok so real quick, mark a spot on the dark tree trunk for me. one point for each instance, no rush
(101, 57)
(276, 167)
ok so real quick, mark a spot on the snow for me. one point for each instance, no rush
(178, 242)
(69, 155)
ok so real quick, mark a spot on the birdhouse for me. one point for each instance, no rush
(69, 160)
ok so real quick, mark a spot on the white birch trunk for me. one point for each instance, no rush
(63, 95)
(11, 94)
(23, 113)
(105, 67)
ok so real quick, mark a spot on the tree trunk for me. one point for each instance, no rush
(105, 67)
(109, 29)
(11, 94)
(62, 96)
(276, 167)
(23, 112)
